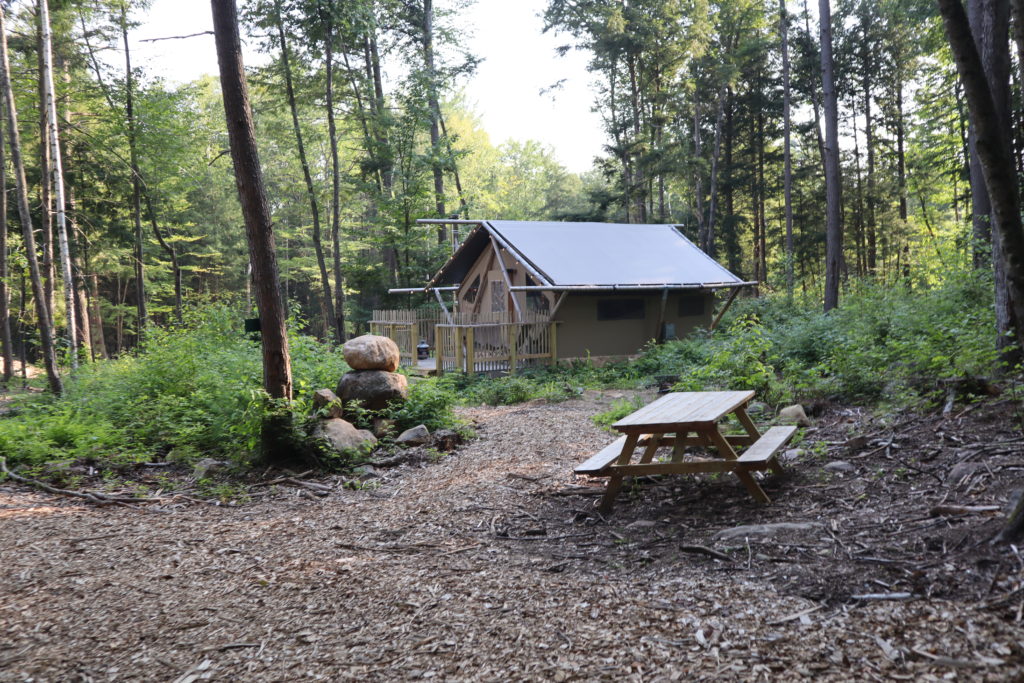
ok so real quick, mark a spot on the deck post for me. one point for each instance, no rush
(457, 333)
(513, 360)
(438, 352)
(470, 351)
(553, 342)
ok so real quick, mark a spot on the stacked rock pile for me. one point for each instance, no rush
(373, 380)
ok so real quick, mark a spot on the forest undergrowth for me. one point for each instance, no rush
(193, 392)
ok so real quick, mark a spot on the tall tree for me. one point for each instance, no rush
(5, 312)
(787, 161)
(42, 311)
(57, 169)
(314, 205)
(327, 17)
(277, 372)
(139, 253)
(833, 192)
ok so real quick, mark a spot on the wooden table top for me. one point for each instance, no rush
(680, 409)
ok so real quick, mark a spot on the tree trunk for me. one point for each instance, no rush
(45, 324)
(815, 104)
(337, 311)
(314, 208)
(140, 271)
(787, 161)
(57, 170)
(833, 193)
(713, 189)
(992, 144)
(277, 375)
(867, 69)
(5, 311)
(435, 115)
(45, 177)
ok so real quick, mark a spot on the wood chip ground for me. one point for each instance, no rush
(491, 564)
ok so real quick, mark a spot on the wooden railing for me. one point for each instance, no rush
(470, 342)
(406, 328)
(495, 347)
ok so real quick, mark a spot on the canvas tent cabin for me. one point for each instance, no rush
(604, 289)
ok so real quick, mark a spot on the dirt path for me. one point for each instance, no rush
(473, 567)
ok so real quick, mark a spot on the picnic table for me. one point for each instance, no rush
(683, 419)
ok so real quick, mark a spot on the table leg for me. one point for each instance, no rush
(748, 480)
(748, 424)
(649, 451)
(615, 480)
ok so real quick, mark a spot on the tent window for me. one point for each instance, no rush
(691, 305)
(473, 290)
(620, 309)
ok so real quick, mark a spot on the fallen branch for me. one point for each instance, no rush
(94, 498)
(704, 550)
(945, 510)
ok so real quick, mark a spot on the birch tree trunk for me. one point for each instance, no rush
(57, 169)
(43, 313)
(833, 191)
(5, 311)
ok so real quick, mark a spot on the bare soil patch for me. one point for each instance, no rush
(492, 563)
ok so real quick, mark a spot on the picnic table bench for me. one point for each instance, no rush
(684, 419)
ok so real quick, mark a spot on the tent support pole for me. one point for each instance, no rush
(728, 303)
(508, 281)
(444, 308)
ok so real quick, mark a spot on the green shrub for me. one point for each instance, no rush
(619, 409)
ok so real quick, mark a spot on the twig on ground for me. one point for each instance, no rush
(91, 497)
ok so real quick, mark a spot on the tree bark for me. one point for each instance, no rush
(992, 144)
(435, 115)
(45, 324)
(787, 161)
(5, 311)
(57, 169)
(337, 311)
(307, 177)
(45, 179)
(140, 269)
(277, 375)
(833, 192)
(867, 68)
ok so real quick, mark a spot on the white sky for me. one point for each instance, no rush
(518, 62)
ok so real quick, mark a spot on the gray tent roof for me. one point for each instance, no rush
(593, 255)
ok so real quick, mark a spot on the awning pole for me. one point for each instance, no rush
(728, 303)
(508, 281)
(440, 300)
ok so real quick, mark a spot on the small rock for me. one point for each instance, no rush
(325, 398)
(382, 427)
(365, 473)
(791, 454)
(206, 466)
(840, 466)
(642, 524)
(446, 440)
(417, 436)
(342, 436)
(371, 352)
(762, 531)
(856, 443)
(795, 413)
(1012, 500)
(961, 471)
(757, 408)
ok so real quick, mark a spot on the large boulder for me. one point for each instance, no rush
(373, 388)
(371, 352)
(342, 436)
